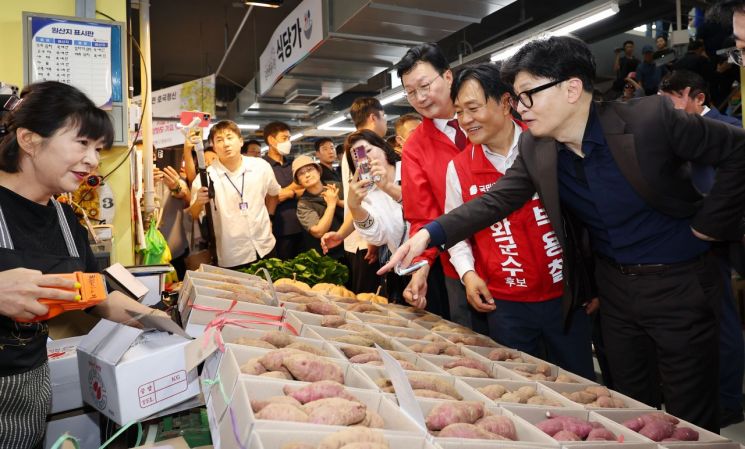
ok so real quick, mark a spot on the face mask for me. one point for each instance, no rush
(284, 148)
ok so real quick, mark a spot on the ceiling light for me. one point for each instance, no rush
(332, 122)
(265, 4)
(392, 98)
(296, 136)
(248, 126)
(596, 17)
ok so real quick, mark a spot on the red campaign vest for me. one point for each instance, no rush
(519, 257)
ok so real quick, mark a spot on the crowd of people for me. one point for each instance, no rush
(539, 214)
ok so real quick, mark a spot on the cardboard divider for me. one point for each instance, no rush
(536, 415)
(377, 372)
(257, 388)
(631, 404)
(195, 323)
(277, 437)
(619, 416)
(231, 333)
(513, 385)
(527, 435)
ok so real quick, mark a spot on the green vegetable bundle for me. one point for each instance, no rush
(309, 267)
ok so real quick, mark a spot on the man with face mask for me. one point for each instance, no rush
(286, 227)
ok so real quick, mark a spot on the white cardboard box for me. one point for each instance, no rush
(197, 321)
(129, 374)
(63, 371)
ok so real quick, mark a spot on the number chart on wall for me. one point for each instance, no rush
(85, 53)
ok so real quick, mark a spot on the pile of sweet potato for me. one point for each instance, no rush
(658, 426)
(469, 419)
(523, 395)
(569, 428)
(294, 364)
(424, 386)
(323, 402)
(595, 396)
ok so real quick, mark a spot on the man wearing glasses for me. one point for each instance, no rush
(621, 170)
(426, 78)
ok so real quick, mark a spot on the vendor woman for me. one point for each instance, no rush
(49, 144)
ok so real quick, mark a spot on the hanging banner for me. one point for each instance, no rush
(292, 41)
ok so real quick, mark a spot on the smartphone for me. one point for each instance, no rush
(410, 269)
(362, 162)
(188, 116)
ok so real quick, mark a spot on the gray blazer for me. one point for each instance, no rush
(652, 144)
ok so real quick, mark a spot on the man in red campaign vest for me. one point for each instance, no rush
(513, 269)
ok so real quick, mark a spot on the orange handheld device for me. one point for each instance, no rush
(92, 291)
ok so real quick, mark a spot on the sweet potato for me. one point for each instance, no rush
(356, 327)
(581, 397)
(366, 357)
(366, 445)
(297, 445)
(335, 411)
(657, 429)
(277, 375)
(598, 390)
(363, 307)
(301, 345)
(502, 355)
(282, 412)
(493, 392)
(512, 397)
(372, 420)
(432, 394)
(311, 368)
(465, 430)
(258, 404)
(565, 379)
(354, 340)
(600, 434)
(429, 382)
(685, 434)
(543, 400)
(318, 390)
(272, 360)
(608, 402)
(448, 413)
(254, 342)
(277, 338)
(566, 435)
(346, 437)
(333, 321)
(525, 392)
(466, 362)
(253, 367)
(463, 371)
(498, 424)
(472, 340)
(353, 350)
(550, 426)
(377, 339)
(322, 308)
(577, 426)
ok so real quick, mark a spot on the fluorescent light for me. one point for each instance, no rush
(332, 122)
(392, 98)
(589, 20)
(507, 52)
(346, 129)
(248, 126)
(296, 136)
(267, 4)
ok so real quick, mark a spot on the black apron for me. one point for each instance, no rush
(25, 398)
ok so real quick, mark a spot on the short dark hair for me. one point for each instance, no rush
(555, 58)
(724, 10)
(224, 125)
(661, 36)
(253, 142)
(373, 139)
(47, 107)
(628, 42)
(317, 144)
(401, 121)
(362, 108)
(428, 52)
(695, 45)
(339, 150)
(273, 128)
(487, 74)
(679, 79)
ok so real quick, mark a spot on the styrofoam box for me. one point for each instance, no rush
(484, 352)
(258, 388)
(231, 333)
(526, 433)
(402, 332)
(631, 404)
(378, 372)
(536, 415)
(329, 333)
(277, 437)
(512, 385)
(196, 321)
(704, 436)
(369, 318)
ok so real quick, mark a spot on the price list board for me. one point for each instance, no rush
(85, 53)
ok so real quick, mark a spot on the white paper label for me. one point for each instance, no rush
(405, 394)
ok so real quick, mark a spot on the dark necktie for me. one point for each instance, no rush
(460, 137)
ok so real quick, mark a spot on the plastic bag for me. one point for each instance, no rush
(156, 250)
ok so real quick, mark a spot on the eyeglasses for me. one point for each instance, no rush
(526, 97)
(735, 57)
(421, 90)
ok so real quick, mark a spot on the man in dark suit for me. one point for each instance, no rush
(621, 170)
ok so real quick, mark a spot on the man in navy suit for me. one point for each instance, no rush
(689, 92)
